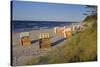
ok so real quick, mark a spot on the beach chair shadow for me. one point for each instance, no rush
(57, 42)
(34, 41)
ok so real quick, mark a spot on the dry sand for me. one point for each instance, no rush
(20, 52)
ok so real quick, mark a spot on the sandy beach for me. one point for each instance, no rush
(21, 53)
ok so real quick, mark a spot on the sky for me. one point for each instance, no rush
(40, 11)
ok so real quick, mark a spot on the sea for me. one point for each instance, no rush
(21, 26)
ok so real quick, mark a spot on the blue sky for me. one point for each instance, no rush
(39, 11)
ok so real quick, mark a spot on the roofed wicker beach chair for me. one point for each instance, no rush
(25, 39)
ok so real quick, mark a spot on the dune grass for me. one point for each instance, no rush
(81, 47)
